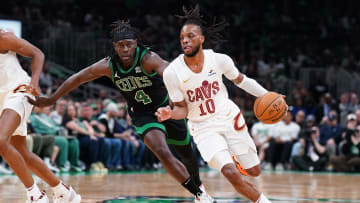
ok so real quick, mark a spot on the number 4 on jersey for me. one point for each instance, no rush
(141, 96)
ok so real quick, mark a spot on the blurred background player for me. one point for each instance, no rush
(15, 84)
(195, 85)
(136, 71)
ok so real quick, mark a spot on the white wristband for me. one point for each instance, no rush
(252, 87)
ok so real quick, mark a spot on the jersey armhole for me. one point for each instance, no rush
(141, 66)
(112, 70)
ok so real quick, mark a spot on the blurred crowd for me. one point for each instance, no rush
(275, 42)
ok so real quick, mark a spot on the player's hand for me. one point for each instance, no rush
(40, 101)
(163, 113)
(34, 89)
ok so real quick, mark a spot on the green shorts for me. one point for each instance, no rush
(176, 131)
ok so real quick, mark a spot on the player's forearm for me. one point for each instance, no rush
(179, 112)
(70, 84)
(37, 66)
(251, 86)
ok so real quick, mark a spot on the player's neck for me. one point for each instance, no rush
(196, 62)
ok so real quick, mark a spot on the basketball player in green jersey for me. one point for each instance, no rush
(137, 73)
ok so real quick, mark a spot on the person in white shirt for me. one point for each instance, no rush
(283, 133)
(261, 135)
(15, 86)
(195, 86)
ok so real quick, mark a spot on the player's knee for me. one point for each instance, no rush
(254, 171)
(163, 153)
(229, 171)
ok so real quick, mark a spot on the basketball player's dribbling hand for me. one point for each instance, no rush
(163, 113)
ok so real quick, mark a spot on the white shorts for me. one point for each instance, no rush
(17, 102)
(228, 134)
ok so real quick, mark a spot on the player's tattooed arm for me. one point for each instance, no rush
(179, 111)
(152, 62)
(92, 72)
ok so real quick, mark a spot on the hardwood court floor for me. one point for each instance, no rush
(280, 187)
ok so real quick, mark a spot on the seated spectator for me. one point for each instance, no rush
(57, 115)
(330, 134)
(310, 155)
(283, 134)
(43, 146)
(261, 135)
(69, 147)
(113, 158)
(89, 143)
(349, 160)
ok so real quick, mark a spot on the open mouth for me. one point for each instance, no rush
(187, 48)
(125, 57)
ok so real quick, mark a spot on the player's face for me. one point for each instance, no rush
(191, 39)
(126, 50)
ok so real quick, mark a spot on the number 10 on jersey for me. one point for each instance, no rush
(210, 107)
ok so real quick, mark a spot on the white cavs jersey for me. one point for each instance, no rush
(11, 73)
(204, 92)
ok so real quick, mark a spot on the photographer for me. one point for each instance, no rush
(312, 155)
(349, 161)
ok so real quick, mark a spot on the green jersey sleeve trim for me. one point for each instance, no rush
(133, 65)
(112, 70)
(163, 102)
(142, 68)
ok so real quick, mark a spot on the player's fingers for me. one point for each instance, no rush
(30, 100)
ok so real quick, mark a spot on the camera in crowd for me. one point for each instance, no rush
(307, 134)
(349, 133)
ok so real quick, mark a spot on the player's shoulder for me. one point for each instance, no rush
(7, 37)
(221, 56)
(174, 64)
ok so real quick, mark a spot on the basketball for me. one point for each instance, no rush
(270, 108)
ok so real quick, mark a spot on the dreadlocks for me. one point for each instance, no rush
(121, 29)
(212, 32)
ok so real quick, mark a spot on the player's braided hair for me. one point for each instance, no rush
(120, 27)
(212, 32)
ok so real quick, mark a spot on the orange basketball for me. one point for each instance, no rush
(270, 108)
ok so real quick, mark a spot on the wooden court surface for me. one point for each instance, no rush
(280, 187)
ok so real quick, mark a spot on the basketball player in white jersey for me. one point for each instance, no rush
(195, 86)
(15, 84)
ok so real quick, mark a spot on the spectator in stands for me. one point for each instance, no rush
(69, 147)
(330, 134)
(299, 92)
(344, 107)
(310, 155)
(89, 144)
(107, 119)
(261, 135)
(139, 146)
(357, 113)
(324, 107)
(46, 80)
(87, 114)
(300, 118)
(310, 121)
(59, 111)
(283, 133)
(349, 160)
(43, 146)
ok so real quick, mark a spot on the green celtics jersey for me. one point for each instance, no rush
(143, 91)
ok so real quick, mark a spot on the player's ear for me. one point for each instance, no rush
(202, 39)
